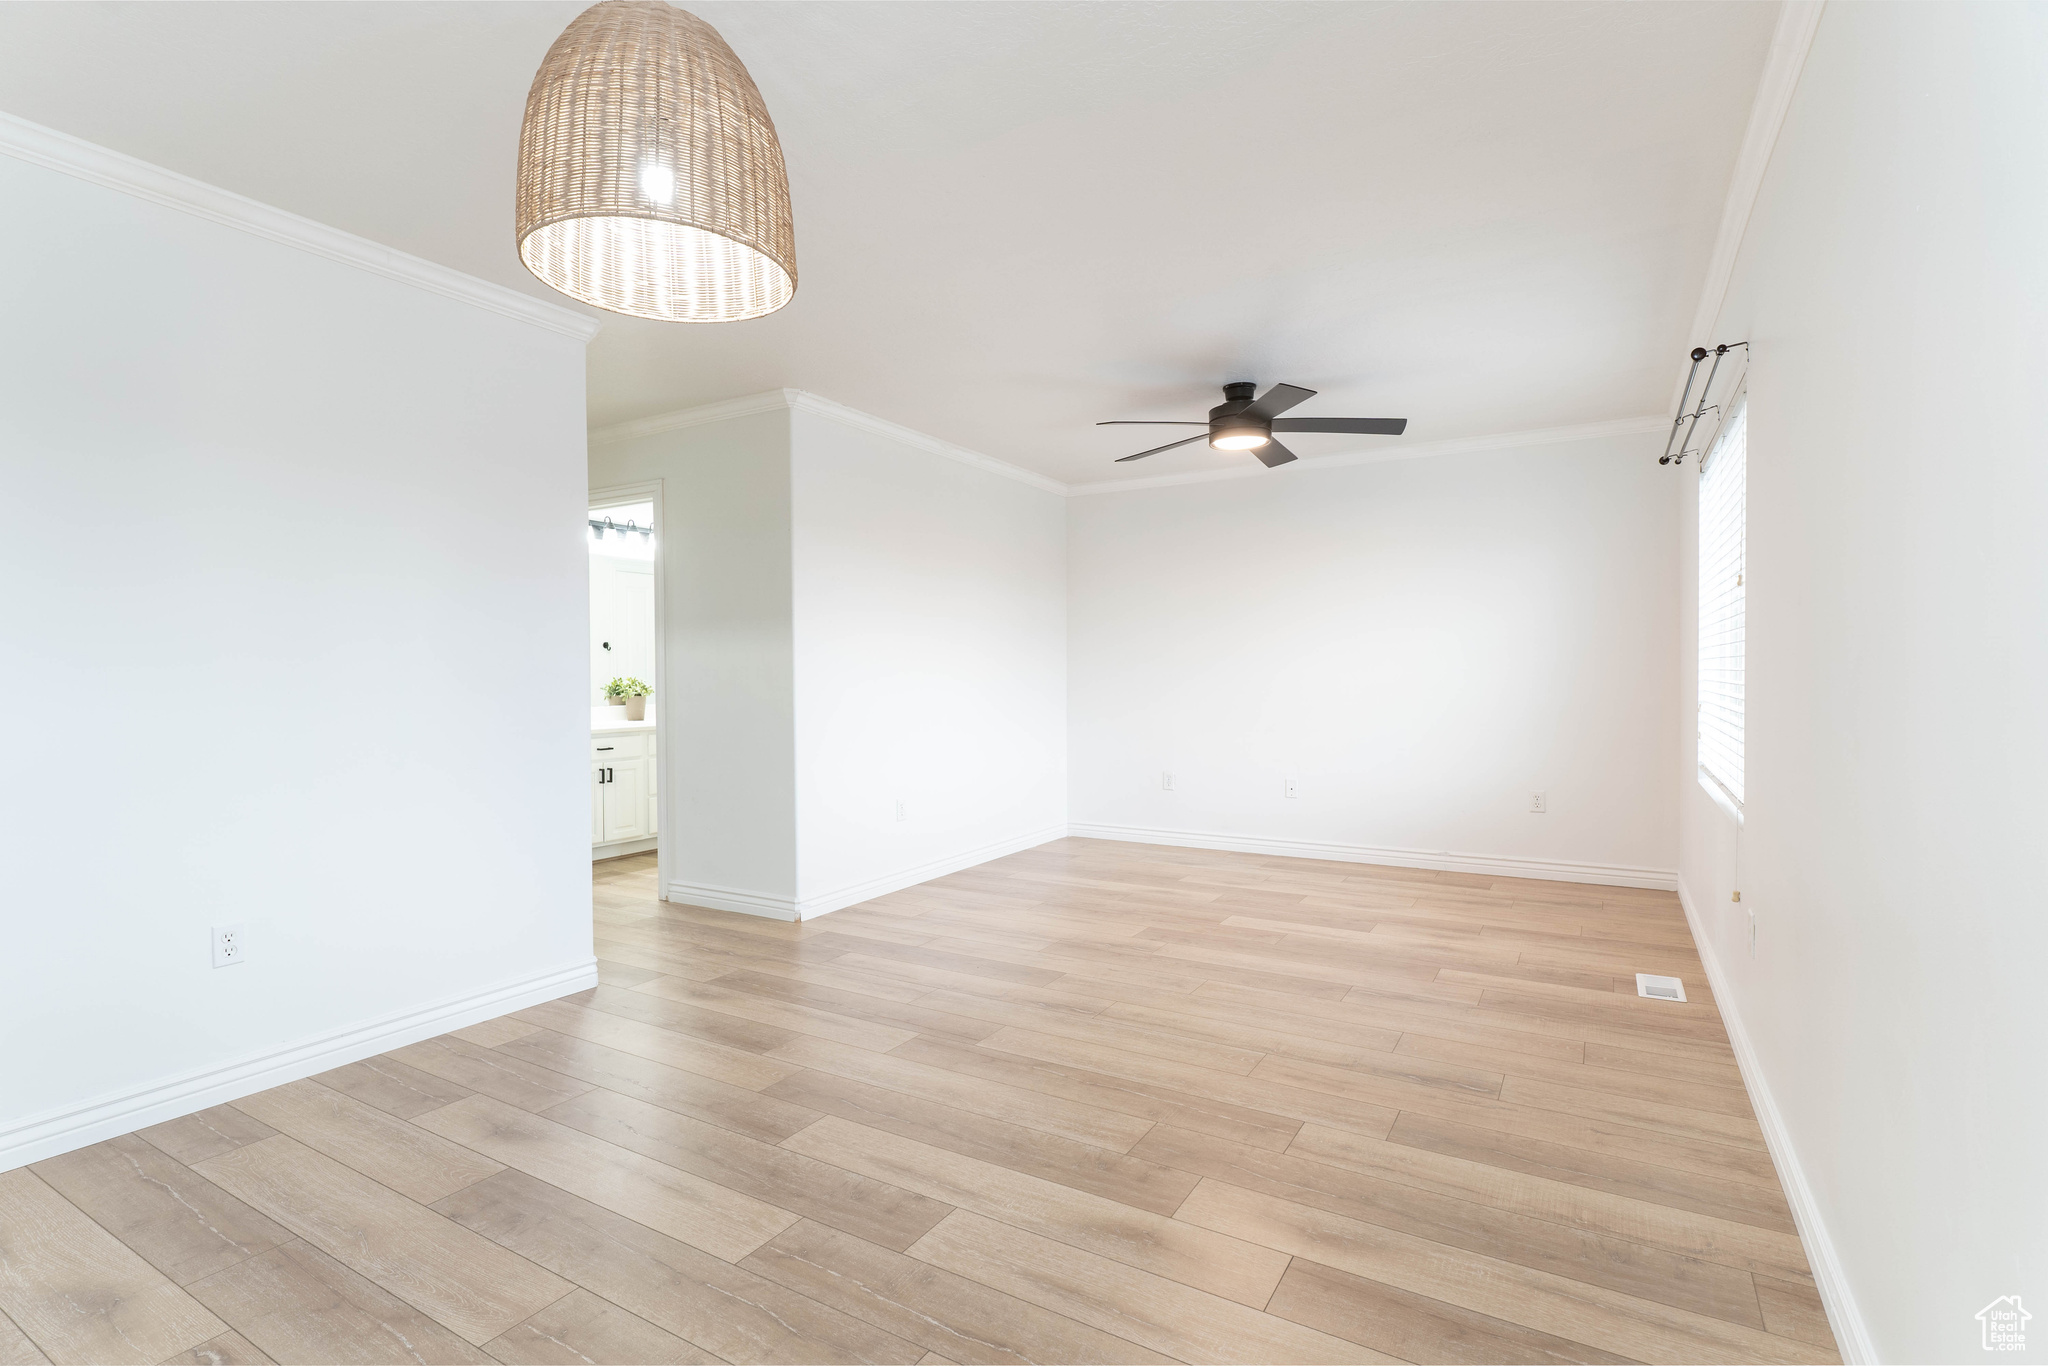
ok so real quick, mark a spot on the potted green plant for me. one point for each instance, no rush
(630, 692)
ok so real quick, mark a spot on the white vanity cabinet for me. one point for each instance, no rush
(622, 791)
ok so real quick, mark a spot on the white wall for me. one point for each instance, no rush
(1420, 644)
(852, 620)
(1894, 286)
(726, 695)
(292, 637)
(930, 617)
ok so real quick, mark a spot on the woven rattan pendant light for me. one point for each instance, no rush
(650, 180)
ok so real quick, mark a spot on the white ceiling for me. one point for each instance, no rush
(1014, 220)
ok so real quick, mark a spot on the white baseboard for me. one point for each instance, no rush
(60, 1131)
(1447, 861)
(855, 893)
(738, 899)
(823, 903)
(620, 848)
(1852, 1335)
(810, 907)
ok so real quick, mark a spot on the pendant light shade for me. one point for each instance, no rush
(650, 180)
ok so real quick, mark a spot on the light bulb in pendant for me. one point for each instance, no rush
(658, 183)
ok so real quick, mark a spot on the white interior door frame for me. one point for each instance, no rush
(620, 495)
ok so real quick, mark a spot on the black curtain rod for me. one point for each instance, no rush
(1699, 353)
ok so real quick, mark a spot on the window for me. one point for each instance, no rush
(1723, 546)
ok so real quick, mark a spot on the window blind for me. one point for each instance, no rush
(1723, 543)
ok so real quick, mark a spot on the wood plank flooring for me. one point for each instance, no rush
(1094, 1102)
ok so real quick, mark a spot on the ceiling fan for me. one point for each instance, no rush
(1244, 423)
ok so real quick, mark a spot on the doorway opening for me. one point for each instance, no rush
(625, 737)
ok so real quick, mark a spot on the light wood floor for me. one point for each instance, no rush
(1091, 1103)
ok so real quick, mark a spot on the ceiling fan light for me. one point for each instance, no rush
(651, 182)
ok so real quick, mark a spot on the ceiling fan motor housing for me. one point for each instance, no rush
(1228, 422)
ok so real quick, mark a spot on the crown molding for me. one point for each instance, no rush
(798, 400)
(1797, 22)
(879, 426)
(1466, 445)
(725, 409)
(60, 152)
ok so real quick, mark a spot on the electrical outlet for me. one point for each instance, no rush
(902, 811)
(1166, 782)
(1287, 787)
(230, 945)
(1539, 803)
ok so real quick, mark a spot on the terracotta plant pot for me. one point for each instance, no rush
(636, 709)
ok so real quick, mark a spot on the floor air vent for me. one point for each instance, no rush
(1659, 988)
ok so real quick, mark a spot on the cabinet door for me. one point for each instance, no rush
(625, 800)
(596, 805)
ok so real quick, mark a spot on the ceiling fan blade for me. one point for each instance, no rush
(1361, 426)
(1146, 422)
(1279, 399)
(1273, 453)
(1167, 447)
